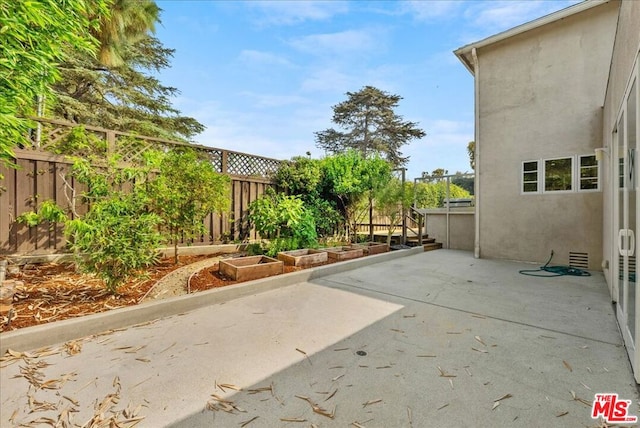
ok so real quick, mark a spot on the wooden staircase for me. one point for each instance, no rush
(429, 244)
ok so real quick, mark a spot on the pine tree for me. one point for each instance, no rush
(370, 126)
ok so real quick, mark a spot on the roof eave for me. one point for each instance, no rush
(464, 52)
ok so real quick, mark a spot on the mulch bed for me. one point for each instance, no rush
(55, 291)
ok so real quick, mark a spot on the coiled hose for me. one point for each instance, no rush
(547, 271)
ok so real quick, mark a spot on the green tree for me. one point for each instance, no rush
(391, 200)
(370, 126)
(129, 22)
(35, 36)
(350, 179)
(118, 90)
(284, 220)
(302, 176)
(471, 151)
(433, 194)
(186, 190)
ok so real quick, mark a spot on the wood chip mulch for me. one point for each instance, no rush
(56, 291)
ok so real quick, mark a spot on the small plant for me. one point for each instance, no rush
(49, 211)
(115, 239)
(185, 191)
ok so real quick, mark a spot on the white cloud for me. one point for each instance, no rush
(344, 42)
(274, 100)
(295, 12)
(501, 15)
(445, 146)
(327, 80)
(428, 10)
(254, 57)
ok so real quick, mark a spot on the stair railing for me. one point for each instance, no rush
(416, 217)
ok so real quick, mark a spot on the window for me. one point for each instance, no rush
(530, 176)
(569, 174)
(588, 173)
(558, 174)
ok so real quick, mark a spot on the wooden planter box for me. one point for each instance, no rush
(371, 248)
(304, 257)
(248, 268)
(344, 253)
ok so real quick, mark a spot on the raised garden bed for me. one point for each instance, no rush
(304, 257)
(248, 268)
(344, 253)
(371, 248)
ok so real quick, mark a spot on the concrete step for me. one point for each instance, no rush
(432, 246)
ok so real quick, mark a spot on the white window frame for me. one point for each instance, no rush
(538, 178)
(575, 175)
(598, 173)
(572, 169)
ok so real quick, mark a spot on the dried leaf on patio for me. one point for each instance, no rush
(504, 397)
(479, 339)
(442, 407)
(426, 356)
(331, 396)
(397, 330)
(293, 420)
(445, 374)
(368, 403)
(480, 350)
(559, 415)
(495, 404)
(305, 354)
(73, 347)
(245, 423)
(567, 365)
(337, 377)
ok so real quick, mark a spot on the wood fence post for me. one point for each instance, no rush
(224, 162)
(111, 142)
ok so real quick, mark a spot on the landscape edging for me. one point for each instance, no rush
(40, 336)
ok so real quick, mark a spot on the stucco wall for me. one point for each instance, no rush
(625, 50)
(540, 96)
(461, 230)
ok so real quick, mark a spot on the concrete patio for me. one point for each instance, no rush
(432, 339)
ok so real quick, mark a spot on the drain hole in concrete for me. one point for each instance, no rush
(361, 353)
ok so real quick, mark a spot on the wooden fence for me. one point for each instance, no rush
(40, 176)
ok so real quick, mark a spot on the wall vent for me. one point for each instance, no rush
(578, 260)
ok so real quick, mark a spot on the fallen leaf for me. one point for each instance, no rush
(368, 403)
(567, 365)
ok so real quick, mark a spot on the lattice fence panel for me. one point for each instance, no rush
(242, 164)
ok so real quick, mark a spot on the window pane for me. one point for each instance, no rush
(588, 161)
(589, 184)
(557, 174)
(530, 176)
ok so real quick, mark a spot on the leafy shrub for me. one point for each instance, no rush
(115, 238)
(186, 190)
(284, 220)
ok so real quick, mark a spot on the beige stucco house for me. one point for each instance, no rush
(556, 105)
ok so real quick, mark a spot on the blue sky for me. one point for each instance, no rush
(263, 76)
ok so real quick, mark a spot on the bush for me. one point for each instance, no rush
(114, 239)
(284, 220)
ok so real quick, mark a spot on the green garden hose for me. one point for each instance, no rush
(552, 271)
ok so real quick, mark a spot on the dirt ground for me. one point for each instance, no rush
(56, 291)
